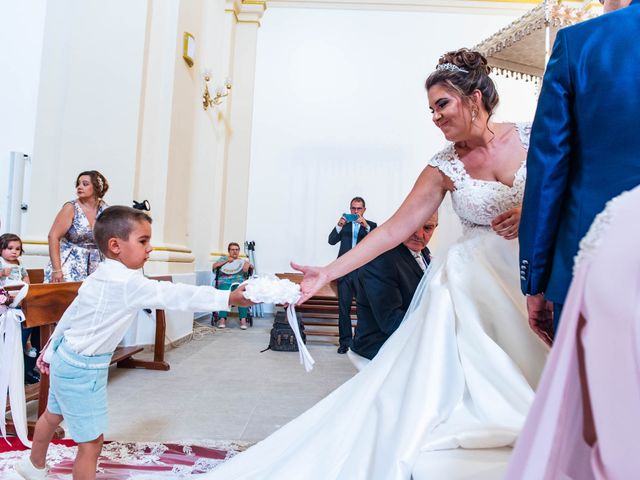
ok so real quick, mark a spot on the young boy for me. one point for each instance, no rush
(80, 349)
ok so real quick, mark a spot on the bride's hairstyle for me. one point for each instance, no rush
(465, 71)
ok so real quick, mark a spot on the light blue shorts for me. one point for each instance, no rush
(78, 391)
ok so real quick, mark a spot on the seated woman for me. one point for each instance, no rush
(72, 250)
(229, 271)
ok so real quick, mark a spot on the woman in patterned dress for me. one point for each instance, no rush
(72, 249)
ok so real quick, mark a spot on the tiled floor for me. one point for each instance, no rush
(221, 387)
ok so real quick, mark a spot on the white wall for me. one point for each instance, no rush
(88, 102)
(21, 32)
(341, 110)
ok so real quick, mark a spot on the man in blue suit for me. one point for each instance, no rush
(349, 234)
(584, 149)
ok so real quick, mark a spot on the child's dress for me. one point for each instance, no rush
(18, 272)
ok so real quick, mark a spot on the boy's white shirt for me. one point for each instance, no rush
(111, 297)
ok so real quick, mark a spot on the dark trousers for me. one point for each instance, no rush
(557, 311)
(29, 362)
(347, 289)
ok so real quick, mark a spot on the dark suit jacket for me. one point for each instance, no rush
(344, 237)
(584, 144)
(387, 285)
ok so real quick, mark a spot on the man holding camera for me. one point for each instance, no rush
(351, 229)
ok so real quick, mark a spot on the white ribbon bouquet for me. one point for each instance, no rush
(12, 363)
(271, 289)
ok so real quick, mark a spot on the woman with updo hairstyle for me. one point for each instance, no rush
(73, 252)
(461, 369)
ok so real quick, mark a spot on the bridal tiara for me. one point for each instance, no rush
(450, 67)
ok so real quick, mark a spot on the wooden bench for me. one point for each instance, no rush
(36, 275)
(43, 307)
(322, 309)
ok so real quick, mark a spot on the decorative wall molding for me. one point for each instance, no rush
(163, 252)
(505, 7)
(246, 11)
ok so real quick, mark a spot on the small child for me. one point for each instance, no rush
(10, 269)
(11, 273)
(79, 351)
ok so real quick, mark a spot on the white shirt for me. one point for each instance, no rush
(109, 300)
(421, 263)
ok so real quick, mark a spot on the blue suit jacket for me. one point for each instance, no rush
(585, 144)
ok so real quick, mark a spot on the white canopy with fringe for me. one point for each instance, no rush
(522, 48)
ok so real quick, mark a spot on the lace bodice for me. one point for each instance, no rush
(478, 202)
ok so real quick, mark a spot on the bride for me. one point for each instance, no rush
(461, 370)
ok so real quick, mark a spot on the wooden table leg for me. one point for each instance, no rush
(158, 362)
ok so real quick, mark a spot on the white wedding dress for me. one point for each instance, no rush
(459, 372)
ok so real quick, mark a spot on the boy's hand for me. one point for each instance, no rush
(237, 298)
(42, 365)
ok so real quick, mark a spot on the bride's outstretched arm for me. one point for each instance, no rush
(421, 203)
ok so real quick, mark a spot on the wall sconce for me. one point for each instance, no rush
(220, 93)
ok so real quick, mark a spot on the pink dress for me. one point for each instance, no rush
(605, 292)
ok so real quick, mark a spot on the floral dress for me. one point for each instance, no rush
(79, 254)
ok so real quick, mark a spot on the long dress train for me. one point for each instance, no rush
(460, 371)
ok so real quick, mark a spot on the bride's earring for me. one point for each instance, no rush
(474, 114)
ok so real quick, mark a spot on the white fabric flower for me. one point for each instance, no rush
(271, 289)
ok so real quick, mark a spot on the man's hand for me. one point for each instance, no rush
(246, 266)
(541, 317)
(237, 297)
(314, 279)
(362, 221)
(506, 224)
(41, 364)
(342, 222)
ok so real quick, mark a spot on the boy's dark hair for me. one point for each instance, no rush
(7, 238)
(232, 244)
(117, 221)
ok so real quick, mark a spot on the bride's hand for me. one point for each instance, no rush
(314, 279)
(506, 224)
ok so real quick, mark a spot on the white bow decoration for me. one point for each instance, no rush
(12, 368)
